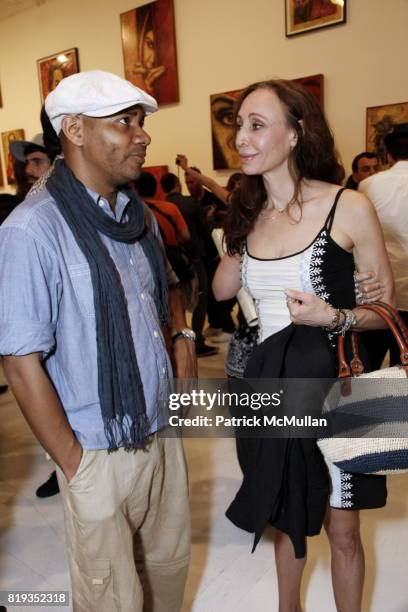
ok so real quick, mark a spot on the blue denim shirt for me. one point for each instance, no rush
(46, 305)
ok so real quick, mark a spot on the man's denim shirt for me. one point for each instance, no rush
(46, 305)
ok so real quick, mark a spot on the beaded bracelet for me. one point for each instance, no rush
(350, 319)
(335, 321)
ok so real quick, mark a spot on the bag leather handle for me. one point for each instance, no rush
(395, 323)
(391, 316)
(393, 312)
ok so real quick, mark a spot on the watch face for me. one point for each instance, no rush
(189, 333)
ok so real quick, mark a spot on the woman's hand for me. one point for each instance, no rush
(308, 309)
(368, 288)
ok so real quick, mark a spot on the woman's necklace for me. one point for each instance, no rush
(272, 214)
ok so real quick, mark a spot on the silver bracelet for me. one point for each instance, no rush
(350, 320)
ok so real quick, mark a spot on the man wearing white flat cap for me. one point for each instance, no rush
(84, 295)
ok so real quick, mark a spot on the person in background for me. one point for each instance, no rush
(174, 231)
(365, 164)
(172, 225)
(208, 199)
(34, 155)
(195, 218)
(8, 201)
(197, 178)
(220, 323)
(388, 191)
(234, 182)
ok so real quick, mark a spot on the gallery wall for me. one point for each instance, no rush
(222, 45)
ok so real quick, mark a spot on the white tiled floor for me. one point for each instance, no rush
(224, 576)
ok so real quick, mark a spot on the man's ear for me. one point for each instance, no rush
(72, 128)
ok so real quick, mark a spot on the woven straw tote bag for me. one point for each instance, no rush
(380, 397)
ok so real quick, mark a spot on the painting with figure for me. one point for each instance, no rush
(222, 128)
(54, 68)
(380, 121)
(7, 138)
(305, 15)
(149, 50)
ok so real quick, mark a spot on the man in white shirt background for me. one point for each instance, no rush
(388, 191)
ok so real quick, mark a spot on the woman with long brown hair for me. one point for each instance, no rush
(295, 238)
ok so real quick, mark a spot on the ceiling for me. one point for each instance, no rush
(12, 7)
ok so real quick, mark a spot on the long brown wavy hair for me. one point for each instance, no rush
(313, 157)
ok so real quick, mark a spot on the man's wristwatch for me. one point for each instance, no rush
(186, 333)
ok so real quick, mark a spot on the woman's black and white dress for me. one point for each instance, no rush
(325, 269)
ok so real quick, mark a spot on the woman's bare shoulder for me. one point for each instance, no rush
(355, 203)
(356, 214)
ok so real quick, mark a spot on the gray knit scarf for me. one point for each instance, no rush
(120, 388)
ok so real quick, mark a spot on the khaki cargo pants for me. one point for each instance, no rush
(127, 529)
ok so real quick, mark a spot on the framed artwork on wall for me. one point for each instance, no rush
(306, 15)
(149, 49)
(380, 121)
(7, 138)
(54, 68)
(315, 84)
(1, 174)
(222, 130)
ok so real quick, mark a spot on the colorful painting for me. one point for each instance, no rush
(222, 127)
(158, 172)
(54, 68)
(380, 121)
(315, 84)
(149, 50)
(306, 15)
(1, 174)
(7, 138)
(222, 121)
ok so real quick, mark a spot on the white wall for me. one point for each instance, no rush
(222, 45)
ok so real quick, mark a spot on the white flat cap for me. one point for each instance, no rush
(94, 93)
